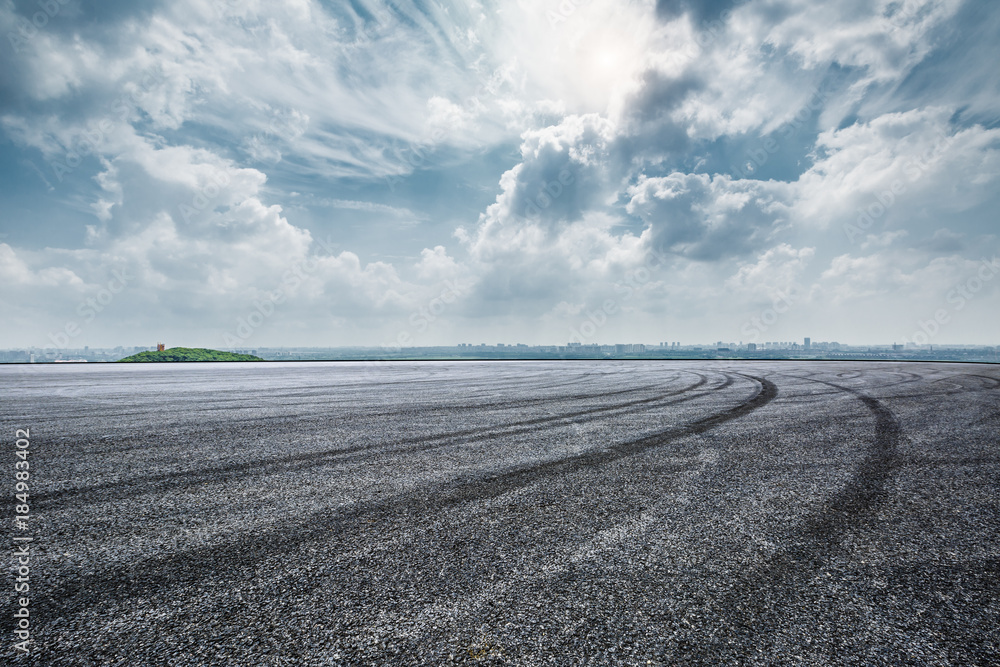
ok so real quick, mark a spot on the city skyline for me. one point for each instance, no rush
(806, 349)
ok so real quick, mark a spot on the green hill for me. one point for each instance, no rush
(187, 354)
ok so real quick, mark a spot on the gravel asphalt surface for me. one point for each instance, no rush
(509, 513)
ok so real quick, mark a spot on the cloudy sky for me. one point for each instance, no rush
(241, 173)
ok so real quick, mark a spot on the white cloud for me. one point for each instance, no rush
(898, 168)
(16, 270)
(898, 279)
(776, 270)
(884, 239)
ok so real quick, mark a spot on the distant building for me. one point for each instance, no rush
(160, 347)
(808, 343)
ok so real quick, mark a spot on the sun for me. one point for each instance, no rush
(607, 60)
(589, 59)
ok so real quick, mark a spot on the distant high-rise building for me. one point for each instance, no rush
(808, 342)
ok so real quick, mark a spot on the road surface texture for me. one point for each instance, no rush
(520, 513)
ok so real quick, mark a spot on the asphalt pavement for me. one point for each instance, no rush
(510, 513)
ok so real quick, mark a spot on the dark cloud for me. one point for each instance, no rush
(649, 133)
(564, 171)
(97, 24)
(961, 70)
(687, 216)
(660, 94)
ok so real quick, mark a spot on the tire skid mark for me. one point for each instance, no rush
(992, 417)
(134, 487)
(418, 626)
(444, 613)
(932, 461)
(158, 574)
(326, 388)
(820, 535)
(993, 381)
(225, 426)
(424, 408)
(955, 381)
(928, 394)
(80, 393)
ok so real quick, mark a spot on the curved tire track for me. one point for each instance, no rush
(818, 536)
(155, 576)
(139, 486)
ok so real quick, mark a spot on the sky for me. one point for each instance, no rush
(242, 174)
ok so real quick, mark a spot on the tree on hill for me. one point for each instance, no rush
(187, 354)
